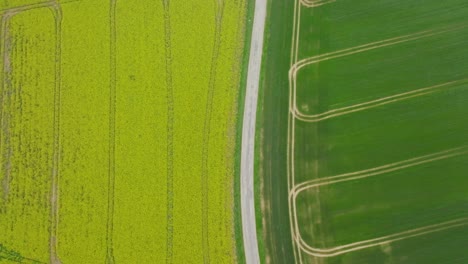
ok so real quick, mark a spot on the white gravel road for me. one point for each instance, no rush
(249, 229)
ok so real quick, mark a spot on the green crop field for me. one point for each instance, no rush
(117, 131)
(272, 132)
(377, 135)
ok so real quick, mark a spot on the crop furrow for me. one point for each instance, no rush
(4, 53)
(170, 136)
(112, 111)
(54, 197)
(206, 131)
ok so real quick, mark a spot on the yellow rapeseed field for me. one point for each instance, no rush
(117, 130)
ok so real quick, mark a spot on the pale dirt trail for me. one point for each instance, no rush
(249, 230)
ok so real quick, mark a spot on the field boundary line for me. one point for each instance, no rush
(376, 102)
(297, 251)
(169, 131)
(291, 120)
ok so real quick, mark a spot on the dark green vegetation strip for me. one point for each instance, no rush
(14, 256)
(272, 130)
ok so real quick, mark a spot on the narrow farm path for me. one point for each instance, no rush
(248, 135)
